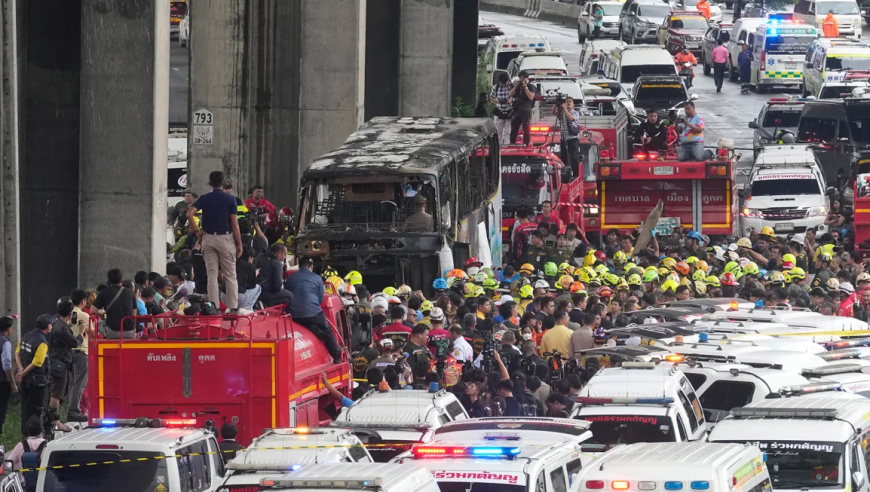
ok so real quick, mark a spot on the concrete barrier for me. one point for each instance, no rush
(551, 10)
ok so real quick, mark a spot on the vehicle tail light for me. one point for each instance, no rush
(107, 446)
(717, 170)
(641, 155)
(540, 129)
(763, 58)
(178, 422)
(594, 484)
(611, 171)
(619, 485)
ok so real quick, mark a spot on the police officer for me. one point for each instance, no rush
(32, 356)
(537, 254)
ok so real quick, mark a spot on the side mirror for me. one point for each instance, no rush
(551, 169)
(693, 97)
(496, 73)
(753, 124)
(741, 193)
(584, 14)
(831, 191)
(857, 480)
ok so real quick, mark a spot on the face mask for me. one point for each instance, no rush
(611, 343)
(527, 336)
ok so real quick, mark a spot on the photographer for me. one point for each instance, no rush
(524, 100)
(500, 96)
(569, 147)
(691, 129)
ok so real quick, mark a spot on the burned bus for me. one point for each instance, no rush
(403, 200)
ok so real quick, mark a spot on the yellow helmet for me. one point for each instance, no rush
(668, 263)
(564, 282)
(601, 270)
(701, 265)
(786, 275)
(403, 290)
(389, 291)
(610, 279)
(634, 279)
(789, 258)
(744, 242)
(731, 267)
(566, 268)
(590, 271)
(619, 258)
(651, 276)
(628, 266)
(751, 268)
(662, 271)
(335, 281)
(426, 306)
(582, 275)
(527, 268)
(622, 284)
(685, 281)
(701, 288)
(692, 259)
(328, 271)
(353, 277)
(669, 284)
(712, 281)
(767, 231)
(651, 268)
(526, 292)
(798, 273)
(699, 275)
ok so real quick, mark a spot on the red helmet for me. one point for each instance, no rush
(600, 255)
(728, 279)
(473, 262)
(285, 211)
(604, 291)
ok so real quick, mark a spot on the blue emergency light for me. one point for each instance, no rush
(673, 485)
(702, 485)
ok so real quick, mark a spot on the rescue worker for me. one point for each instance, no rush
(685, 55)
(744, 61)
(830, 28)
(704, 7)
(32, 359)
(651, 134)
(823, 270)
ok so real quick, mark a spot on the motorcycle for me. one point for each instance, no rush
(688, 73)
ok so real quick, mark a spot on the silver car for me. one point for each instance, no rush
(640, 20)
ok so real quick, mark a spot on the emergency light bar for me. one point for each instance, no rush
(646, 485)
(383, 424)
(143, 422)
(861, 342)
(806, 389)
(431, 451)
(812, 413)
(591, 400)
(315, 483)
(276, 466)
(520, 45)
(832, 369)
(638, 365)
(841, 354)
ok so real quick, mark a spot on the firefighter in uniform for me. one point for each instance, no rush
(32, 356)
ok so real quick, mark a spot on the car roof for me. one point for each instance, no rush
(127, 436)
(692, 455)
(402, 408)
(849, 408)
(391, 475)
(525, 428)
(648, 382)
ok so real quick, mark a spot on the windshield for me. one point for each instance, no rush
(817, 129)
(147, 475)
(664, 92)
(788, 44)
(479, 487)
(837, 91)
(504, 58)
(372, 206)
(847, 63)
(797, 464)
(566, 88)
(778, 187)
(630, 73)
(839, 8)
(611, 10)
(782, 119)
(523, 182)
(859, 122)
(689, 23)
(609, 430)
(658, 11)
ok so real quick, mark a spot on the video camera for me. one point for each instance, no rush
(558, 97)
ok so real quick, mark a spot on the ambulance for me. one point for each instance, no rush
(691, 466)
(640, 402)
(831, 59)
(818, 440)
(500, 50)
(504, 454)
(778, 50)
(345, 477)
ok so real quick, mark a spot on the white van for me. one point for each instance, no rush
(786, 192)
(778, 51)
(830, 60)
(847, 13)
(690, 466)
(640, 402)
(500, 50)
(132, 456)
(626, 63)
(381, 477)
(816, 441)
(505, 454)
(399, 418)
(743, 31)
(593, 51)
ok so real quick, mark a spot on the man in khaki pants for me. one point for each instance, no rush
(221, 240)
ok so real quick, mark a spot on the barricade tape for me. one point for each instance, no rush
(161, 457)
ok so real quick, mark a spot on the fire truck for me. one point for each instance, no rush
(257, 371)
(861, 205)
(177, 11)
(692, 191)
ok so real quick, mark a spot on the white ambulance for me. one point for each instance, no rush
(778, 49)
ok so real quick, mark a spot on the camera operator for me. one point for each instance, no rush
(419, 356)
(524, 100)
(569, 126)
(530, 360)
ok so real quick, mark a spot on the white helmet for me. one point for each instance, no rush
(436, 314)
(542, 284)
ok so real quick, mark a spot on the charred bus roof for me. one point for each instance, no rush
(402, 145)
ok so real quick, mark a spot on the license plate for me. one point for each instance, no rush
(791, 66)
(784, 227)
(663, 170)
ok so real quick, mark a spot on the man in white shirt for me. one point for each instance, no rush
(462, 350)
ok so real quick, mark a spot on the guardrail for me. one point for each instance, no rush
(551, 10)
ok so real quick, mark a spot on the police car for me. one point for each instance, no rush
(640, 402)
(131, 455)
(379, 477)
(817, 440)
(697, 466)
(786, 191)
(284, 450)
(505, 454)
(390, 422)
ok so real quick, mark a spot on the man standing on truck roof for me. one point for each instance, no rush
(419, 221)
(307, 289)
(830, 27)
(524, 100)
(651, 134)
(503, 112)
(221, 239)
(118, 303)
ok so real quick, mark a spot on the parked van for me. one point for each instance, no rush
(743, 30)
(778, 51)
(676, 466)
(626, 63)
(847, 13)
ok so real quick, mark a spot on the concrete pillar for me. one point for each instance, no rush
(124, 123)
(383, 18)
(49, 158)
(219, 84)
(465, 15)
(426, 59)
(9, 158)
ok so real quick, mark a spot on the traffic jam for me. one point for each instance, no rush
(570, 291)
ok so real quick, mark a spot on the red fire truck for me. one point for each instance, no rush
(629, 189)
(258, 371)
(177, 11)
(861, 189)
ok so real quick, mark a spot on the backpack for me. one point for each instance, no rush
(31, 459)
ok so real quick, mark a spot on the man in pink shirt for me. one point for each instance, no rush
(720, 60)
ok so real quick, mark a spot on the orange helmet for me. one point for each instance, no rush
(577, 287)
(456, 273)
(728, 279)
(604, 291)
(682, 267)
